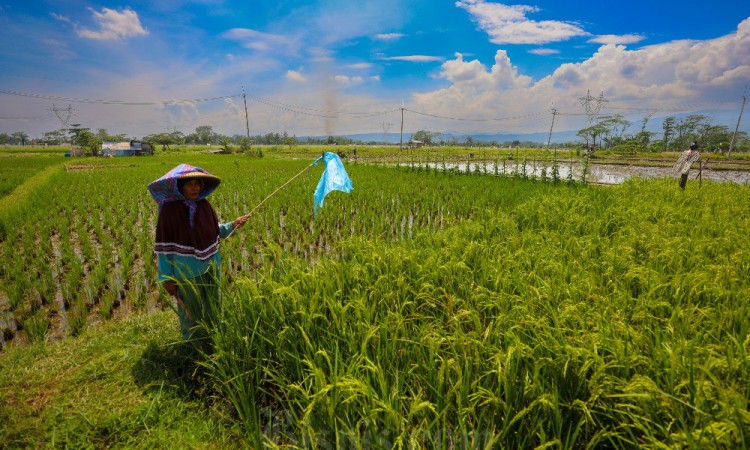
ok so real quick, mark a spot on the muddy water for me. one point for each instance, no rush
(616, 174)
(8, 328)
(597, 173)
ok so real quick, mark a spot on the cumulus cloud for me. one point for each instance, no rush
(674, 71)
(668, 75)
(112, 25)
(617, 40)
(359, 66)
(509, 25)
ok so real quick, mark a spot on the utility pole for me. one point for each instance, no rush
(401, 141)
(549, 138)
(247, 121)
(734, 136)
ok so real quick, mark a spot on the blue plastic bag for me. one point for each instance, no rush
(334, 178)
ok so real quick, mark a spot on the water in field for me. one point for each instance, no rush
(615, 174)
(596, 173)
(8, 328)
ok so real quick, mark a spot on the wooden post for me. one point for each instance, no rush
(549, 138)
(401, 139)
(734, 137)
(247, 121)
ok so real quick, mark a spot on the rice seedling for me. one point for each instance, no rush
(14, 293)
(36, 326)
(109, 300)
(77, 315)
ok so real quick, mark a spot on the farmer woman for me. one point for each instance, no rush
(684, 162)
(187, 242)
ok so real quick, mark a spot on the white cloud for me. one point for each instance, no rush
(661, 76)
(262, 42)
(346, 80)
(293, 75)
(544, 51)
(679, 71)
(509, 25)
(666, 75)
(389, 36)
(113, 25)
(62, 18)
(414, 58)
(617, 40)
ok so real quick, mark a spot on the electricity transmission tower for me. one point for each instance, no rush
(592, 106)
(63, 115)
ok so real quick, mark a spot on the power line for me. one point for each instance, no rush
(21, 117)
(114, 102)
(591, 105)
(316, 112)
(525, 116)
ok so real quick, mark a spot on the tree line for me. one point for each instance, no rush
(677, 134)
(609, 132)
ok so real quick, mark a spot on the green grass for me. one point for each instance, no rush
(16, 170)
(582, 318)
(33, 150)
(425, 309)
(20, 180)
(121, 385)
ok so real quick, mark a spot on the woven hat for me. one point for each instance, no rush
(167, 188)
(209, 182)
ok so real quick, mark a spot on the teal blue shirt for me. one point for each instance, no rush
(179, 267)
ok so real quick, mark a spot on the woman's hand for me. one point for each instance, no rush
(170, 287)
(239, 222)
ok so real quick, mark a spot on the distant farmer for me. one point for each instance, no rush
(187, 242)
(684, 162)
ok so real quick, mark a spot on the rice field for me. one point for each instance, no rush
(429, 307)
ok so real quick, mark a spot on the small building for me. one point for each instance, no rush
(416, 144)
(132, 148)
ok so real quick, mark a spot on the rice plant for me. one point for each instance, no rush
(540, 325)
(427, 309)
(36, 326)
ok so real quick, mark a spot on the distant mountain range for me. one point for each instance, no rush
(728, 119)
(500, 138)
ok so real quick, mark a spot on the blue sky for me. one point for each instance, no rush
(340, 67)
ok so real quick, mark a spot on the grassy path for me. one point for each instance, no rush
(118, 385)
(11, 204)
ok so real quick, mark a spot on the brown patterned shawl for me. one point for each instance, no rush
(174, 235)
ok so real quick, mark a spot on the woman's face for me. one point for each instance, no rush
(192, 189)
